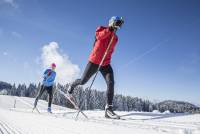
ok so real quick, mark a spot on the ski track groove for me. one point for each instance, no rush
(8, 128)
(157, 125)
(1, 131)
(142, 124)
(29, 102)
(3, 128)
(64, 129)
(46, 114)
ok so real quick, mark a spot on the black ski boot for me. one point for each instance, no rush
(49, 110)
(109, 113)
(70, 89)
(70, 92)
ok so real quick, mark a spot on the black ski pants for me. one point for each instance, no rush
(107, 73)
(49, 91)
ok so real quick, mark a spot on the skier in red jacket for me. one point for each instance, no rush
(103, 37)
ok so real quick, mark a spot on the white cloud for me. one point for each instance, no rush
(11, 3)
(66, 70)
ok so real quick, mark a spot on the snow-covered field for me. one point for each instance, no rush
(20, 120)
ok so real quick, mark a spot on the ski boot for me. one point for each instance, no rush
(109, 113)
(49, 110)
(69, 93)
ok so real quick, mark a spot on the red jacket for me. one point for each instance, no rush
(103, 37)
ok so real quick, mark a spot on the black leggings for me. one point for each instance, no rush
(107, 73)
(49, 91)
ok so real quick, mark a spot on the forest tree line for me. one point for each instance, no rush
(94, 99)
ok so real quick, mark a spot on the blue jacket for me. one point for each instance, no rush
(49, 77)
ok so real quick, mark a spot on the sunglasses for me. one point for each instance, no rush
(119, 23)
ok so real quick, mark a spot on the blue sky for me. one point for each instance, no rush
(157, 56)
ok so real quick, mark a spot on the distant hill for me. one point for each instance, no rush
(177, 106)
(5, 85)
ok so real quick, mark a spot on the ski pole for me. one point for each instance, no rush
(74, 104)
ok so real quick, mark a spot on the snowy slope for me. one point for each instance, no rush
(21, 120)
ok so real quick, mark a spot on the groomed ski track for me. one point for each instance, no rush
(21, 120)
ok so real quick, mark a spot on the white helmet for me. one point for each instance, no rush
(116, 22)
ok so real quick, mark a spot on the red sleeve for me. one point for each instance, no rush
(102, 33)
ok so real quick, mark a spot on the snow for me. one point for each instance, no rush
(20, 120)
(156, 112)
(166, 112)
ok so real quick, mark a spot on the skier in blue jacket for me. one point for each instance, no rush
(47, 84)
